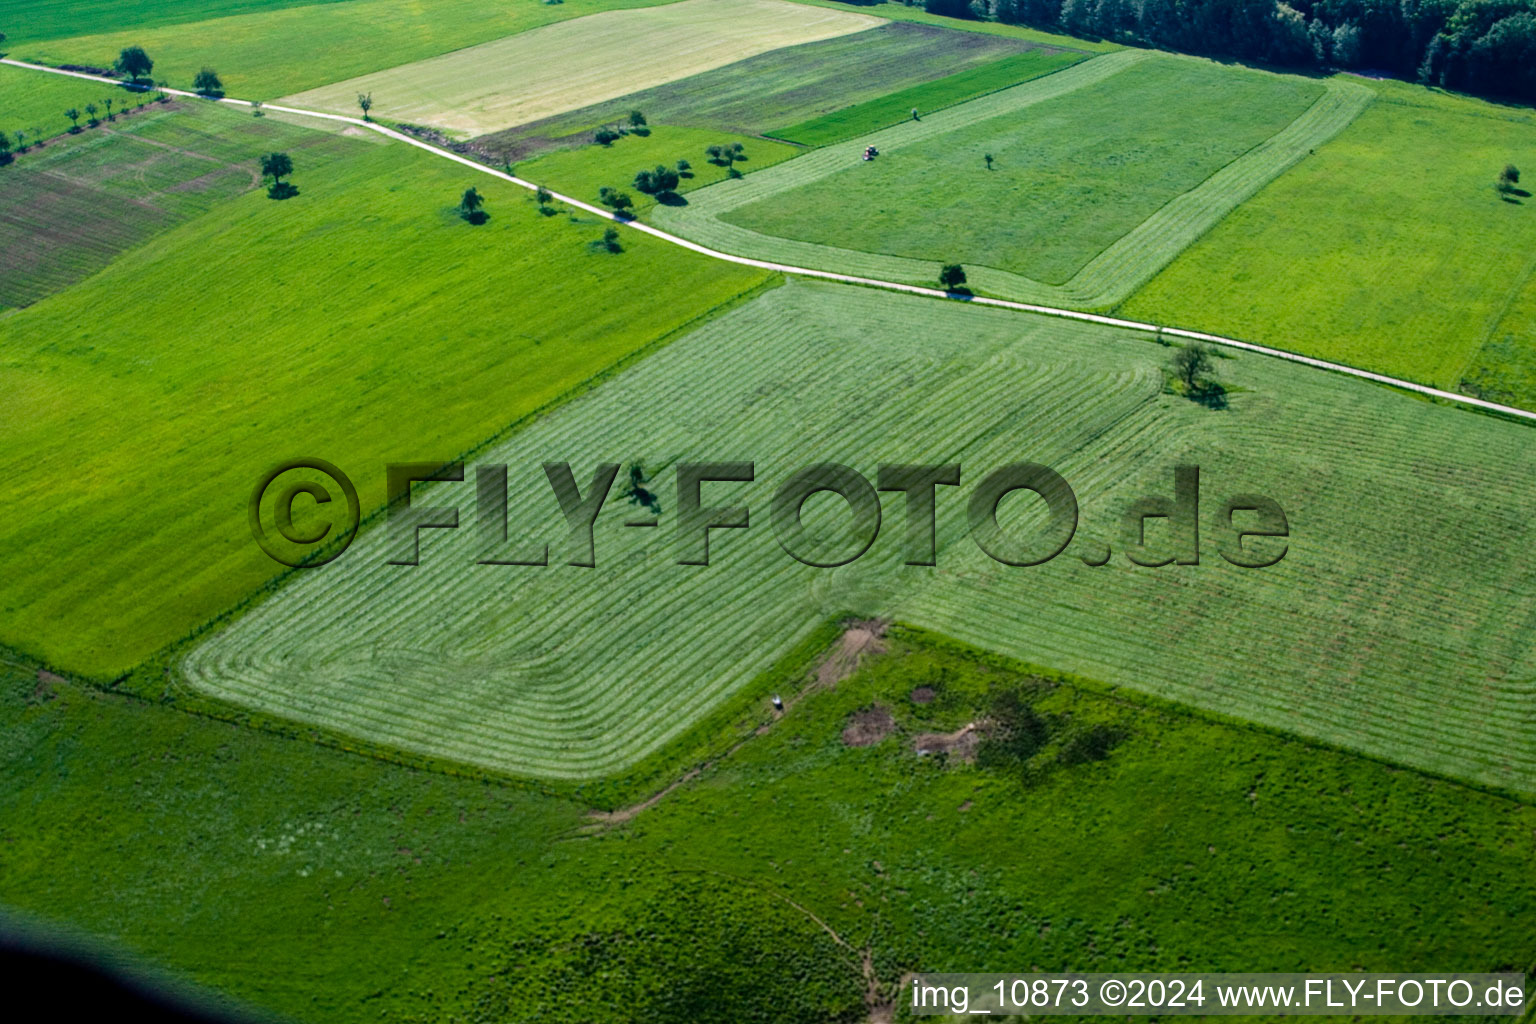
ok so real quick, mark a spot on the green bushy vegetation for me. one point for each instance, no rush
(589, 671)
(269, 50)
(1388, 249)
(361, 318)
(1055, 195)
(895, 107)
(324, 885)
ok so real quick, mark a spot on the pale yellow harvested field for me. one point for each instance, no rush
(561, 67)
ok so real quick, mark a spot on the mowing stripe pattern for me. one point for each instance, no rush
(1400, 624)
(1106, 280)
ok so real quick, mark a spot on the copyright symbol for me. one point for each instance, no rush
(322, 521)
(1112, 992)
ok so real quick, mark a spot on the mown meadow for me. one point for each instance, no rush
(1389, 248)
(925, 98)
(1053, 195)
(1353, 638)
(363, 317)
(326, 885)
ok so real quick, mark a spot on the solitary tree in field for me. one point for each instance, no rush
(108, 102)
(207, 83)
(619, 201)
(277, 166)
(636, 119)
(543, 197)
(1509, 177)
(1190, 363)
(90, 115)
(134, 63)
(684, 167)
(21, 142)
(951, 276)
(988, 159)
(605, 136)
(365, 101)
(74, 119)
(470, 206)
(610, 240)
(660, 181)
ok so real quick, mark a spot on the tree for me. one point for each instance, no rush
(951, 275)
(636, 119)
(659, 181)
(134, 63)
(365, 101)
(543, 197)
(90, 115)
(1509, 177)
(619, 201)
(716, 154)
(207, 83)
(988, 158)
(610, 240)
(683, 167)
(605, 136)
(276, 166)
(1190, 363)
(470, 206)
(5, 148)
(74, 119)
(108, 102)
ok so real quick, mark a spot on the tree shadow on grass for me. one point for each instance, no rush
(282, 190)
(670, 199)
(1209, 394)
(476, 217)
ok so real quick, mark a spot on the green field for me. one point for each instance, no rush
(35, 103)
(581, 172)
(938, 184)
(540, 73)
(784, 85)
(72, 206)
(27, 21)
(362, 318)
(1389, 249)
(893, 108)
(327, 886)
(569, 673)
(915, 14)
(274, 50)
(1056, 195)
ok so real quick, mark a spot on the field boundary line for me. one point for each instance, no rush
(868, 282)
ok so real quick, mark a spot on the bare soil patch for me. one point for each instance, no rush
(961, 743)
(923, 695)
(868, 727)
(859, 639)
